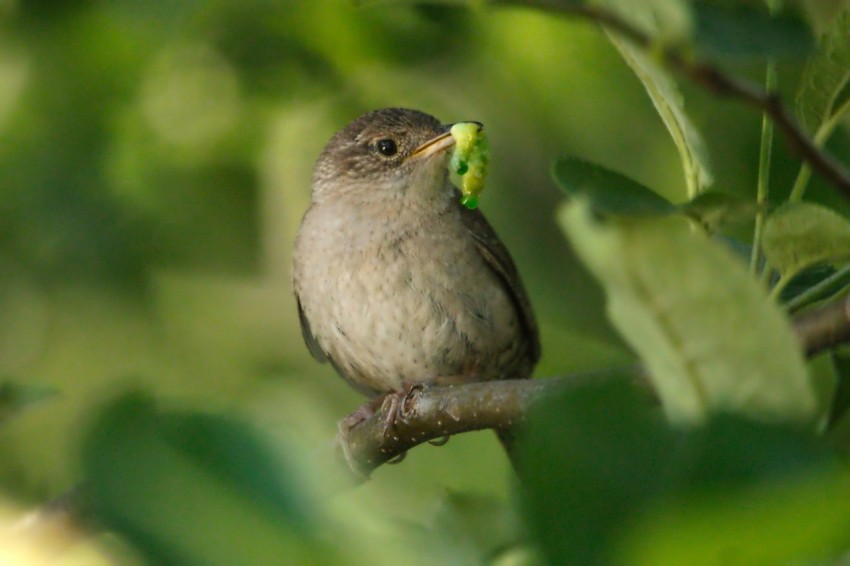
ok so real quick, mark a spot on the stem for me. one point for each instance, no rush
(776, 292)
(824, 327)
(763, 185)
(818, 291)
(820, 138)
(800, 183)
(829, 126)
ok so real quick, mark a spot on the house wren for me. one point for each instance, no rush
(396, 282)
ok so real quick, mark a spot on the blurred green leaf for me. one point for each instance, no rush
(609, 192)
(605, 480)
(785, 523)
(190, 488)
(670, 105)
(727, 28)
(778, 486)
(821, 14)
(667, 21)
(589, 460)
(713, 28)
(841, 399)
(487, 526)
(731, 451)
(798, 235)
(715, 209)
(823, 96)
(349, 33)
(674, 294)
(15, 397)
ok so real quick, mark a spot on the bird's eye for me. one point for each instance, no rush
(387, 147)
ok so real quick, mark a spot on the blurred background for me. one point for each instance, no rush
(155, 160)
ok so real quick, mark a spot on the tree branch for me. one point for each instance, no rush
(824, 327)
(436, 412)
(714, 80)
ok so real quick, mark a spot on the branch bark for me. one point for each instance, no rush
(824, 327)
(432, 413)
(435, 412)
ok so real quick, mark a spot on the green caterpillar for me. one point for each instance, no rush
(469, 162)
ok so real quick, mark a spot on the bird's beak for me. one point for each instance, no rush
(437, 144)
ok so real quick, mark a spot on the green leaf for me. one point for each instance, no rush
(588, 460)
(192, 488)
(714, 209)
(731, 28)
(798, 235)
(823, 94)
(785, 523)
(609, 192)
(670, 105)
(841, 399)
(15, 397)
(483, 526)
(815, 284)
(674, 295)
(600, 466)
(746, 493)
(668, 22)
(730, 452)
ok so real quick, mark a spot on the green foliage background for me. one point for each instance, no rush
(155, 161)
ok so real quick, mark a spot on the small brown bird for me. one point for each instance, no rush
(397, 283)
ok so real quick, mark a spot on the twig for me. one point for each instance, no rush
(763, 183)
(819, 291)
(824, 327)
(714, 80)
(436, 412)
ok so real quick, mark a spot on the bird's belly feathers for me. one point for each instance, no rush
(389, 312)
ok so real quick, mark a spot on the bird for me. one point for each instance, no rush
(397, 284)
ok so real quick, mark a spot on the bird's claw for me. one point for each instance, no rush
(396, 405)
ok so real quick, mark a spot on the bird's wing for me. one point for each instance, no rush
(497, 257)
(307, 333)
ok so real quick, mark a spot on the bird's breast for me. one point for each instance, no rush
(394, 301)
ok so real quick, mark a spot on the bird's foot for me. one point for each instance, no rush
(396, 405)
(362, 413)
